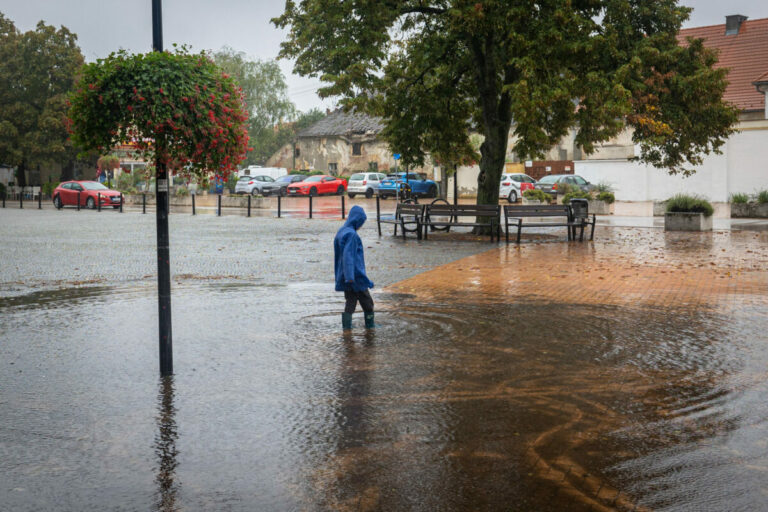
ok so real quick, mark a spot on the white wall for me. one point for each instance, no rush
(743, 167)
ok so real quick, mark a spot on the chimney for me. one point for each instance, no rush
(733, 23)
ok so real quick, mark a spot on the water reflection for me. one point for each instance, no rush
(165, 449)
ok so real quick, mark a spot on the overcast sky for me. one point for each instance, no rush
(103, 26)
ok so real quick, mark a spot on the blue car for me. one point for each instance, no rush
(417, 185)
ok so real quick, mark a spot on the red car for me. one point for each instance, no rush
(66, 194)
(316, 185)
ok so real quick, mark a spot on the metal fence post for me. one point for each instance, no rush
(193, 204)
(310, 206)
(21, 199)
(144, 203)
(219, 211)
(78, 201)
(40, 199)
(378, 213)
(343, 211)
(4, 194)
(249, 205)
(98, 200)
(121, 202)
(279, 203)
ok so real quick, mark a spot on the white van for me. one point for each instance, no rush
(257, 170)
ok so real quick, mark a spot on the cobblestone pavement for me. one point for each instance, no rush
(626, 373)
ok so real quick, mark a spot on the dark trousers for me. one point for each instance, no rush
(353, 297)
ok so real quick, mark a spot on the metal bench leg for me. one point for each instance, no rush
(519, 229)
(402, 225)
(592, 234)
(379, 223)
(506, 230)
(581, 235)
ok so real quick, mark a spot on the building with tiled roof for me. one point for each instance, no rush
(742, 46)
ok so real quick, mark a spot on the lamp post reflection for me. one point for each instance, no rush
(165, 448)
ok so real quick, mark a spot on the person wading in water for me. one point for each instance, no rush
(349, 264)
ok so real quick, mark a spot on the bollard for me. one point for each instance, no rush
(4, 193)
(343, 212)
(249, 205)
(98, 200)
(78, 201)
(278, 206)
(378, 213)
(21, 199)
(40, 200)
(219, 212)
(143, 203)
(193, 204)
(121, 202)
(310, 206)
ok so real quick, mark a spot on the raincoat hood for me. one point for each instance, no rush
(356, 218)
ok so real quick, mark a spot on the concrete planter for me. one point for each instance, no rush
(600, 207)
(685, 221)
(659, 208)
(749, 210)
(531, 201)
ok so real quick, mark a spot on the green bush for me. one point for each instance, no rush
(739, 198)
(603, 187)
(574, 193)
(536, 194)
(606, 196)
(689, 204)
(762, 197)
(182, 191)
(48, 187)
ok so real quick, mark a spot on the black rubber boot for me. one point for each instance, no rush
(369, 324)
(346, 321)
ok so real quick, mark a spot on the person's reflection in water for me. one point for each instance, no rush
(165, 448)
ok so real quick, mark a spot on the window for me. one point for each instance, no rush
(333, 167)
(373, 177)
(357, 148)
(579, 180)
(67, 186)
(373, 166)
(297, 151)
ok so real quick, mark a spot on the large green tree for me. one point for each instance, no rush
(436, 70)
(37, 71)
(266, 95)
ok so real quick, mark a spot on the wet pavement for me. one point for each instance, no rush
(623, 374)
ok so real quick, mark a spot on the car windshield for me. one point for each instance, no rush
(357, 177)
(548, 180)
(313, 179)
(92, 185)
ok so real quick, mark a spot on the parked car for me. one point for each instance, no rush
(253, 185)
(316, 185)
(66, 194)
(513, 185)
(364, 183)
(554, 182)
(257, 170)
(417, 185)
(280, 185)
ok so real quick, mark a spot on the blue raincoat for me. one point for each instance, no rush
(348, 259)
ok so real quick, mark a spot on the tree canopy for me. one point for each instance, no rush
(436, 70)
(177, 108)
(37, 71)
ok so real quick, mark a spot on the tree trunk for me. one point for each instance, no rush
(21, 175)
(68, 171)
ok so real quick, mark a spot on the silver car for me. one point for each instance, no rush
(366, 183)
(253, 185)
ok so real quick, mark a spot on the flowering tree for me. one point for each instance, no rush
(178, 109)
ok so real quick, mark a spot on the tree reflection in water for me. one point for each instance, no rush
(165, 449)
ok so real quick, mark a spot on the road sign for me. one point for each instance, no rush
(396, 156)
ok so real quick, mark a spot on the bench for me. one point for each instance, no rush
(406, 214)
(557, 211)
(453, 212)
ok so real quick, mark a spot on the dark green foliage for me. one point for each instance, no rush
(739, 198)
(49, 187)
(606, 196)
(573, 193)
(762, 197)
(537, 195)
(436, 70)
(689, 204)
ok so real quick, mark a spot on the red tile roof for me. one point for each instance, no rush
(745, 54)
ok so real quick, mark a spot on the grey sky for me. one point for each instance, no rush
(103, 26)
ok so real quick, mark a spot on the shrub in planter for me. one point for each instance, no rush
(739, 198)
(537, 195)
(762, 197)
(606, 196)
(575, 192)
(689, 204)
(182, 191)
(48, 187)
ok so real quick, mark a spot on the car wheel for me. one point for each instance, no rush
(313, 191)
(351, 195)
(90, 203)
(512, 198)
(255, 192)
(57, 202)
(369, 193)
(340, 190)
(283, 192)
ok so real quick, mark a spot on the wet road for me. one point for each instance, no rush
(628, 375)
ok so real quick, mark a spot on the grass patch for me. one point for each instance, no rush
(689, 204)
(739, 198)
(762, 197)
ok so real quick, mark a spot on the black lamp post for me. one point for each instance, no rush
(163, 249)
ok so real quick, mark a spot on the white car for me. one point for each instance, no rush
(252, 184)
(513, 185)
(364, 183)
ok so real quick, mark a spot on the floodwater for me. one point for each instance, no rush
(486, 386)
